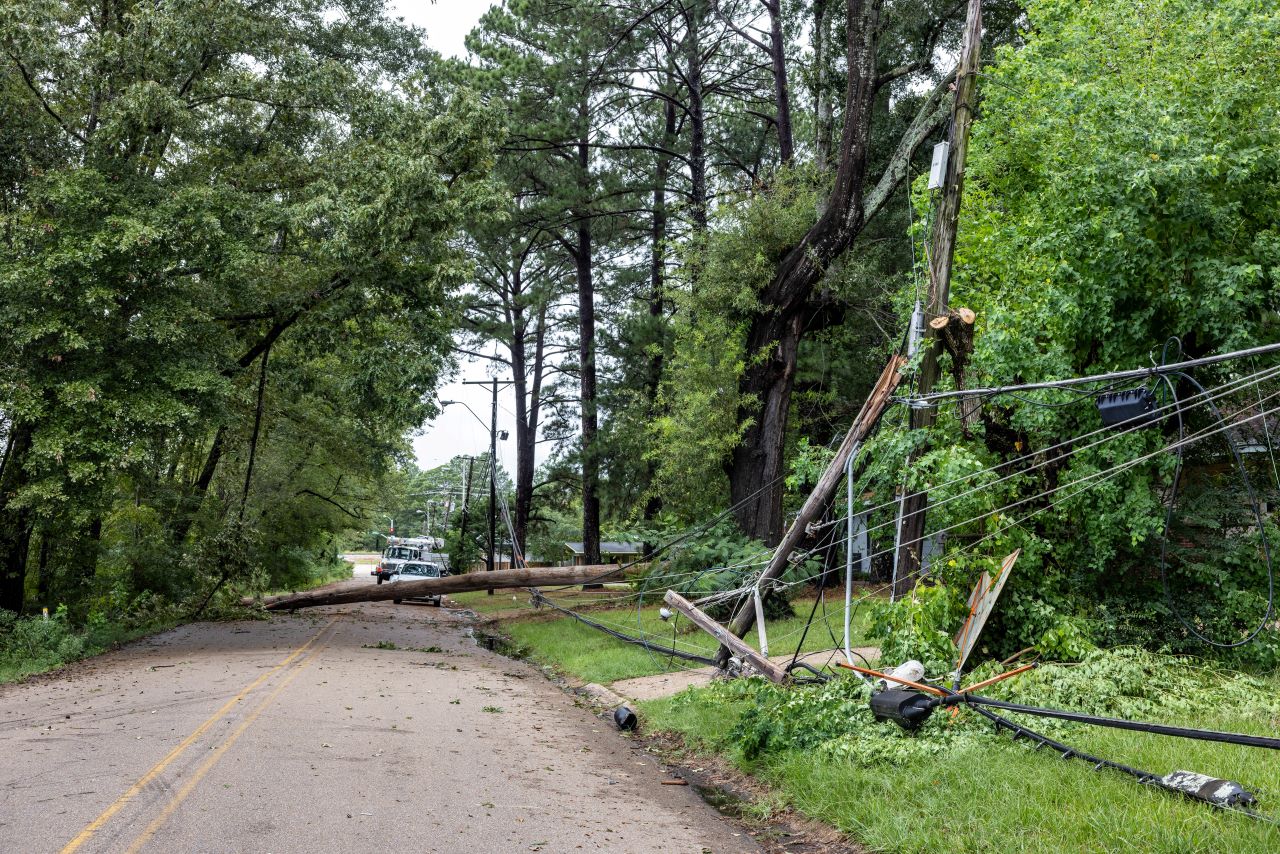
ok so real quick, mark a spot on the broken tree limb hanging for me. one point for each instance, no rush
(545, 576)
(727, 639)
(871, 411)
(954, 330)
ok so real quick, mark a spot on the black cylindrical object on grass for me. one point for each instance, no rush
(908, 709)
(625, 718)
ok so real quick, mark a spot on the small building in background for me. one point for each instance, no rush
(609, 552)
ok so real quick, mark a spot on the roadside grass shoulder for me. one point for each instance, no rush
(34, 644)
(508, 604)
(967, 791)
(588, 654)
(983, 792)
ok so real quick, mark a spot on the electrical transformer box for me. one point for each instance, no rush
(938, 171)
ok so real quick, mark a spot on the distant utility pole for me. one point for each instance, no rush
(466, 499)
(493, 478)
(911, 539)
(493, 464)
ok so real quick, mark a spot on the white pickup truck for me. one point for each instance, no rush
(416, 571)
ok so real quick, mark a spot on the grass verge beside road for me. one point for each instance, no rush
(35, 644)
(971, 792)
(996, 795)
(588, 654)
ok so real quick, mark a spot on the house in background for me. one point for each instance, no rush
(609, 552)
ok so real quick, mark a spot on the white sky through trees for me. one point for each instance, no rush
(457, 431)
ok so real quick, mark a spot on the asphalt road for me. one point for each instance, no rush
(309, 733)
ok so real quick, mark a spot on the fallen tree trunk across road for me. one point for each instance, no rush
(543, 576)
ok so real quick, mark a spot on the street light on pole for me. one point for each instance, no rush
(494, 435)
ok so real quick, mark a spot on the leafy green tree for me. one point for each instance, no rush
(1110, 205)
(215, 198)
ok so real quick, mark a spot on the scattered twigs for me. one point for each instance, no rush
(1011, 659)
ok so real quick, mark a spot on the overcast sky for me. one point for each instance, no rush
(447, 22)
(457, 431)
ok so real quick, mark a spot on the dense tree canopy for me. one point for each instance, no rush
(228, 239)
(244, 245)
(1113, 205)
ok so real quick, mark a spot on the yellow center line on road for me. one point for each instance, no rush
(181, 795)
(94, 826)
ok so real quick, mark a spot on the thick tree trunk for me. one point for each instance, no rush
(44, 577)
(525, 491)
(778, 60)
(15, 522)
(87, 560)
(524, 472)
(697, 118)
(525, 431)
(756, 468)
(776, 330)
(823, 122)
(657, 292)
(587, 362)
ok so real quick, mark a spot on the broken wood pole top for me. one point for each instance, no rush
(727, 638)
(966, 316)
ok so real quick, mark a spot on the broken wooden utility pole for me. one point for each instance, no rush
(544, 576)
(745, 653)
(871, 411)
(907, 562)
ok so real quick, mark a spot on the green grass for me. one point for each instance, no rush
(593, 656)
(1006, 797)
(32, 645)
(975, 795)
(505, 604)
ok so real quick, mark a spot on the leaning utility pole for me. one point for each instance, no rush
(493, 478)
(872, 409)
(911, 539)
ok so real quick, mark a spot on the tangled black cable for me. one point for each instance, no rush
(795, 658)
(538, 598)
(1173, 500)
